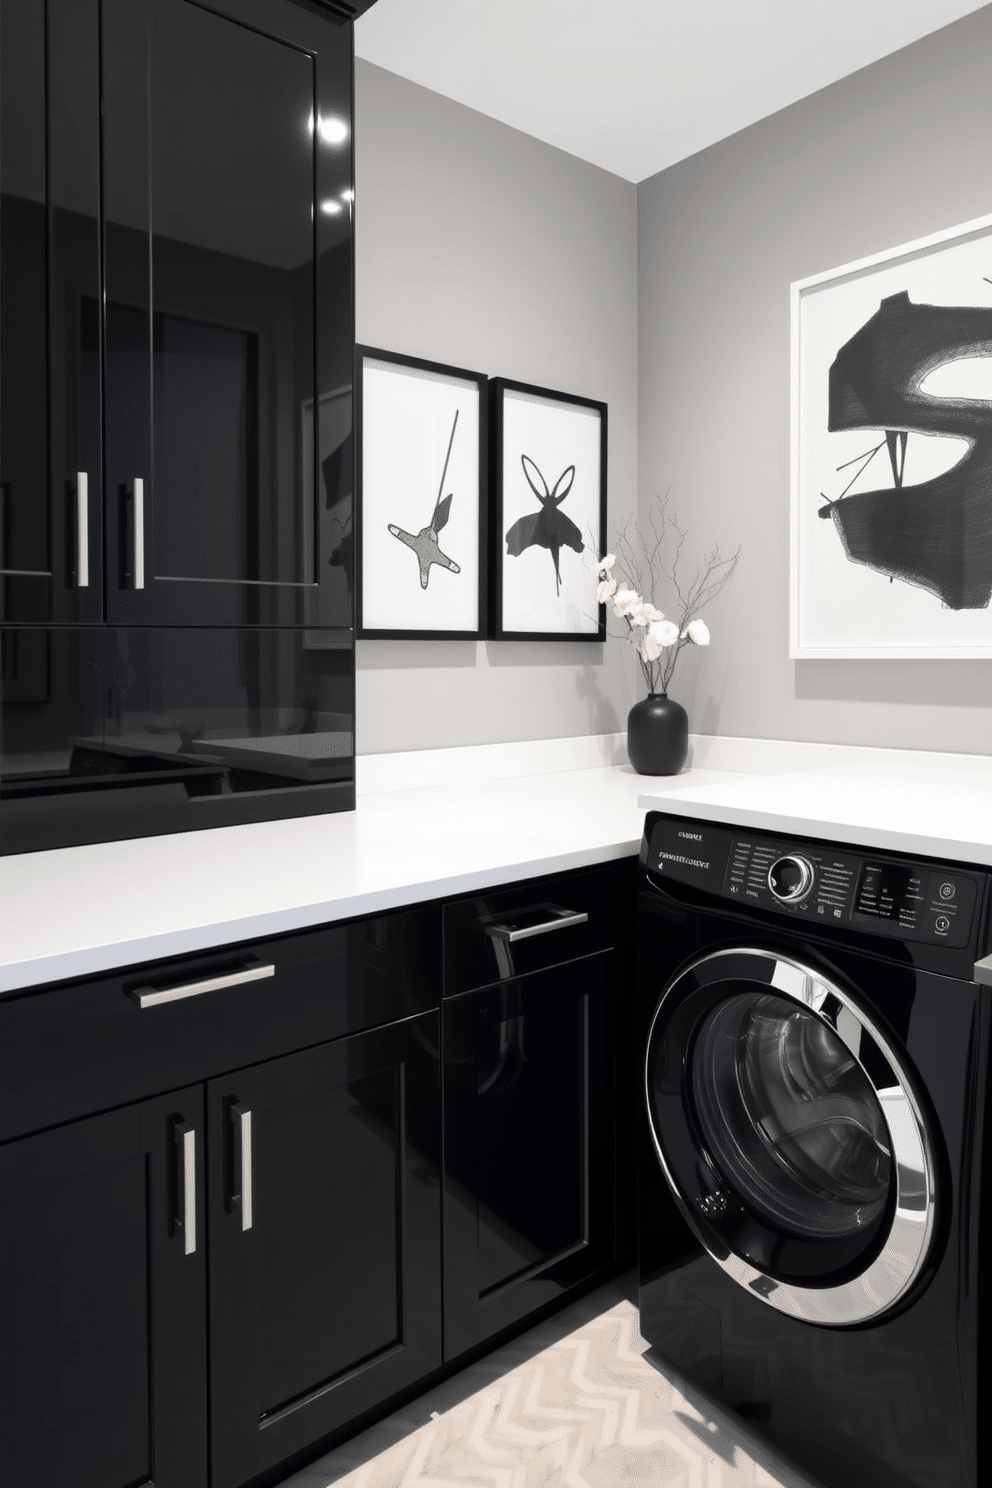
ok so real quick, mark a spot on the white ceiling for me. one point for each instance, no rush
(634, 85)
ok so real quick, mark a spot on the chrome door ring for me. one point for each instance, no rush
(890, 1275)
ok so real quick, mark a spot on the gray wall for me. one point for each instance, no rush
(481, 247)
(898, 150)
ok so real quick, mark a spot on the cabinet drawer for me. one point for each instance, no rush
(80, 1047)
(491, 937)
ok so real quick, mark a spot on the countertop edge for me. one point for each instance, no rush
(112, 955)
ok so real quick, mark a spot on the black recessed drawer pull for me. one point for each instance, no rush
(518, 927)
(149, 997)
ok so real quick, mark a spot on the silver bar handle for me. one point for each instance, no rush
(82, 529)
(149, 997)
(983, 971)
(186, 1183)
(139, 532)
(561, 920)
(241, 1117)
(189, 1190)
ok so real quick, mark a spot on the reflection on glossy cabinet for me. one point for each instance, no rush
(324, 1219)
(102, 1301)
(50, 462)
(176, 304)
(227, 180)
(205, 150)
(529, 1192)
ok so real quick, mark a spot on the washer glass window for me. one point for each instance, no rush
(790, 1117)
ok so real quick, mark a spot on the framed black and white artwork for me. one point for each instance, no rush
(549, 513)
(421, 475)
(891, 542)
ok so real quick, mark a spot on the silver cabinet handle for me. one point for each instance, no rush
(82, 529)
(149, 997)
(241, 1118)
(185, 1136)
(983, 971)
(561, 919)
(139, 533)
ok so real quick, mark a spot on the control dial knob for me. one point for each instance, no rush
(790, 878)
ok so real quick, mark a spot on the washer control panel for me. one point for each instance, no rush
(876, 894)
(816, 882)
(759, 865)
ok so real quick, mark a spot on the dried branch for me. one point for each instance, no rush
(641, 557)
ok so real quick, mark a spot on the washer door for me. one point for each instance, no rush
(791, 1136)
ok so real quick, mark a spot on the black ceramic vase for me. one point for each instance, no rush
(657, 735)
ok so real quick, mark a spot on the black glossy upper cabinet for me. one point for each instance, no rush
(50, 476)
(227, 139)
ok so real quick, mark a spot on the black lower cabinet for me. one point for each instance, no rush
(102, 1301)
(529, 1199)
(223, 1187)
(325, 1214)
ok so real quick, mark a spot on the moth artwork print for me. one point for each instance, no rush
(892, 453)
(550, 462)
(422, 491)
(549, 528)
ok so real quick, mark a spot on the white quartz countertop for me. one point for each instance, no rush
(437, 823)
(451, 821)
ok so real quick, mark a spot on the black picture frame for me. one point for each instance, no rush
(510, 525)
(373, 601)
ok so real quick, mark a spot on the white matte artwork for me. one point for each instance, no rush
(420, 552)
(545, 590)
(892, 453)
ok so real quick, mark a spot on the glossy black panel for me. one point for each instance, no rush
(475, 955)
(529, 1144)
(228, 196)
(893, 1402)
(330, 1300)
(103, 1369)
(75, 1048)
(125, 733)
(50, 545)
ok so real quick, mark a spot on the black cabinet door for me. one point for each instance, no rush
(324, 1240)
(103, 1299)
(228, 315)
(50, 470)
(529, 1145)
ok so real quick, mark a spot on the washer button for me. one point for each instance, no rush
(942, 924)
(947, 891)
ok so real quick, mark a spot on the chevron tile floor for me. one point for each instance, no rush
(574, 1403)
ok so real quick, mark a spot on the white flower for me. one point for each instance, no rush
(624, 601)
(650, 648)
(636, 614)
(650, 613)
(697, 631)
(605, 564)
(664, 632)
(606, 588)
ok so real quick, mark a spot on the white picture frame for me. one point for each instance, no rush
(891, 453)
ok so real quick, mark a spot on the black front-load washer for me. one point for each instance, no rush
(814, 1058)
